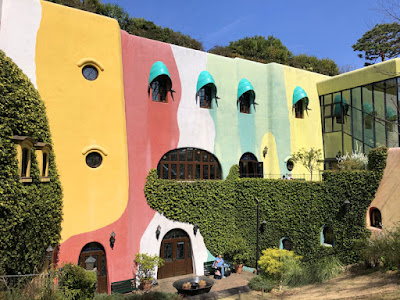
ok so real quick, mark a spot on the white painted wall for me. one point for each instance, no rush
(149, 243)
(196, 126)
(20, 21)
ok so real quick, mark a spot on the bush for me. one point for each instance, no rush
(383, 250)
(236, 251)
(145, 264)
(319, 271)
(259, 283)
(274, 262)
(76, 283)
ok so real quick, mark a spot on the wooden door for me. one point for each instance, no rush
(100, 265)
(177, 255)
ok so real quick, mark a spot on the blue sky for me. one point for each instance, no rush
(320, 28)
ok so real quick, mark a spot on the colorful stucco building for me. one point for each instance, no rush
(120, 105)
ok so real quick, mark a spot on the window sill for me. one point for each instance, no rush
(25, 179)
(45, 179)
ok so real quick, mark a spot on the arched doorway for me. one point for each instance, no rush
(375, 218)
(93, 258)
(176, 250)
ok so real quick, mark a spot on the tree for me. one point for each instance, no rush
(256, 48)
(390, 8)
(311, 63)
(381, 41)
(135, 26)
(310, 159)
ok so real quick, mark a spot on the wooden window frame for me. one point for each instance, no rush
(164, 86)
(205, 97)
(178, 160)
(244, 167)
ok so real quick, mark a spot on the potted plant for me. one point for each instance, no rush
(237, 253)
(145, 265)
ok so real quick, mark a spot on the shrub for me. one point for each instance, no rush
(76, 283)
(356, 161)
(145, 265)
(383, 250)
(236, 251)
(274, 261)
(259, 283)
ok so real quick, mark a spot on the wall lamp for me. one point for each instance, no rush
(347, 205)
(195, 228)
(263, 226)
(158, 231)
(265, 151)
(112, 240)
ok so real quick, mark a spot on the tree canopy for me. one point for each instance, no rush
(382, 41)
(263, 50)
(136, 26)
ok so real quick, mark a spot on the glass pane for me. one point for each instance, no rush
(89, 266)
(155, 86)
(356, 98)
(328, 110)
(332, 144)
(260, 170)
(197, 171)
(181, 171)
(391, 113)
(164, 171)
(358, 145)
(167, 252)
(327, 99)
(347, 144)
(197, 155)
(44, 167)
(337, 112)
(165, 157)
(189, 253)
(380, 136)
(368, 115)
(182, 155)
(103, 265)
(328, 124)
(174, 156)
(205, 172)
(212, 172)
(180, 250)
(346, 111)
(205, 156)
(189, 172)
(25, 160)
(212, 158)
(190, 155)
(173, 171)
(358, 123)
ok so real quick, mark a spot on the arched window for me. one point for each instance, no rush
(160, 82)
(375, 218)
(24, 146)
(245, 96)
(206, 90)
(25, 161)
(286, 244)
(250, 167)
(189, 164)
(327, 237)
(43, 160)
(300, 102)
(290, 164)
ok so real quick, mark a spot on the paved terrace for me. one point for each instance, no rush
(231, 285)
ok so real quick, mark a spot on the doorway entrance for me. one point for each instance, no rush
(93, 258)
(176, 250)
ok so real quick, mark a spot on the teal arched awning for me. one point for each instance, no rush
(204, 79)
(299, 94)
(367, 107)
(391, 114)
(340, 102)
(158, 69)
(244, 87)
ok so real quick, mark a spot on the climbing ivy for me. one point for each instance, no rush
(30, 213)
(294, 209)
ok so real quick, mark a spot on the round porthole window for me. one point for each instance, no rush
(94, 159)
(290, 165)
(90, 72)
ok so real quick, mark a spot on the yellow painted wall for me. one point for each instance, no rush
(307, 132)
(373, 73)
(84, 114)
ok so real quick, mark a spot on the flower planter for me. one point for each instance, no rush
(146, 285)
(238, 268)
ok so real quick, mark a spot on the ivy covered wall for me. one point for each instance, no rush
(30, 213)
(293, 209)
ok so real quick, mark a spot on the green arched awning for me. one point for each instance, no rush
(391, 114)
(339, 102)
(158, 69)
(204, 79)
(299, 94)
(245, 86)
(367, 107)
